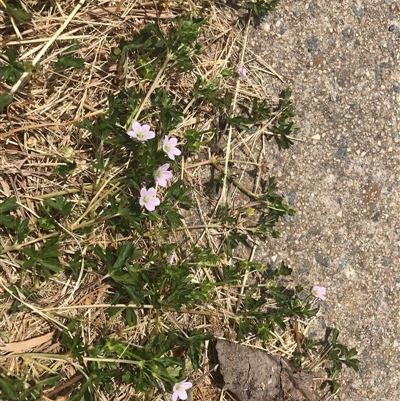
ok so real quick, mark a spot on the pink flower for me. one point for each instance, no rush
(169, 147)
(180, 390)
(319, 292)
(148, 199)
(242, 72)
(141, 132)
(162, 175)
(171, 259)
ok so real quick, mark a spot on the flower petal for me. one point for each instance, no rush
(161, 181)
(151, 192)
(136, 126)
(149, 135)
(182, 394)
(155, 202)
(186, 385)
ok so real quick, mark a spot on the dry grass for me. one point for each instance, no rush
(38, 134)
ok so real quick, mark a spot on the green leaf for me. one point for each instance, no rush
(334, 354)
(64, 62)
(352, 363)
(51, 265)
(335, 334)
(65, 169)
(174, 219)
(181, 193)
(73, 47)
(238, 122)
(60, 204)
(46, 223)
(5, 100)
(125, 252)
(19, 227)
(283, 270)
(261, 6)
(12, 72)
(335, 386)
(66, 59)
(45, 258)
(8, 204)
(106, 256)
(18, 13)
(8, 390)
(193, 139)
(50, 249)
(11, 55)
(9, 221)
(228, 72)
(282, 125)
(352, 352)
(130, 316)
(228, 100)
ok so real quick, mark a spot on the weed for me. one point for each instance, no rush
(138, 292)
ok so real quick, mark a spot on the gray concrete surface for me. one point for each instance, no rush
(341, 60)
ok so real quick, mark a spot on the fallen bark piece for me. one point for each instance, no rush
(254, 375)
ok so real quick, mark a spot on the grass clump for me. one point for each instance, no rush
(129, 243)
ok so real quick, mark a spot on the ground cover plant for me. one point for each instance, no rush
(134, 192)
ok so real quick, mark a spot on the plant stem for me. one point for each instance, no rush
(157, 79)
(67, 358)
(33, 241)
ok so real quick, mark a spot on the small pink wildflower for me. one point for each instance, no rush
(242, 72)
(169, 147)
(180, 390)
(319, 292)
(141, 132)
(162, 175)
(171, 259)
(148, 199)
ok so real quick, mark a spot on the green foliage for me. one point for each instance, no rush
(12, 72)
(5, 100)
(17, 388)
(338, 355)
(150, 47)
(44, 260)
(260, 7)
(258, 317)
(14, 225)
(54, 212)
(66, 60)
(169, 115)
(8, 204)
(15, 11)
(333, 353)
(65, 169)
(283, 125)
(194, 140)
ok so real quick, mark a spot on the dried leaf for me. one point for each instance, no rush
(21, 346)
